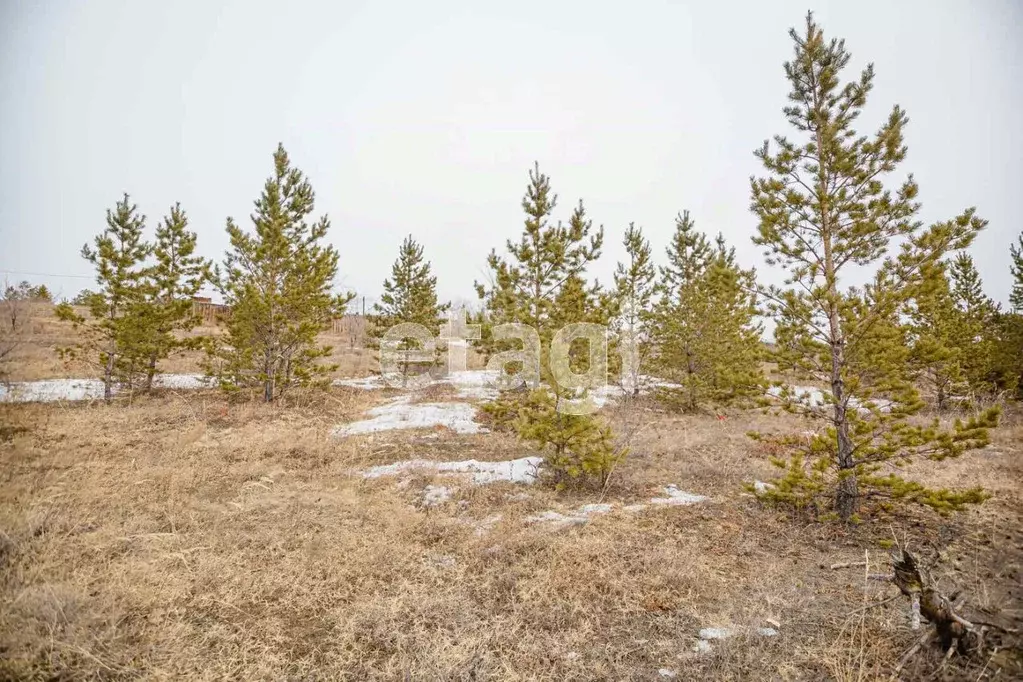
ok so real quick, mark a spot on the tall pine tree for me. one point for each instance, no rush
(410, 296)
(109, 335)
(823, 210)
(277, 281)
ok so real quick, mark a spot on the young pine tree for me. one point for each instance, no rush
(823, 210)
(277, 281)
(410, 296)
(634, 290)
(1016, 268)
(578, 448)
(704, 335)
(109, 339)
(1007, 358)
(166, 310)
(525, 284)
(541, 283)
(977, 330)
(936, 336)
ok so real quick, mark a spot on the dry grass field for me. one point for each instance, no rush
(182, 535)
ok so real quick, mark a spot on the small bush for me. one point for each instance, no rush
(581, 447)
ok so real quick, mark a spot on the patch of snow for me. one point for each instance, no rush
(403, 414)
(558, 519)
(522, 470)
(760, 487)
(577, 518)
(182, 381)
(716, 633)
(583, 513)
(434, 495)
(484, 526)
(667, 673)
(480, 384)
(52, 390)
(369, 383)
(678, 497)
(709, 634)
(815, 398)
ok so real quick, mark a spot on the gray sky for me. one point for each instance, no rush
(424, 118)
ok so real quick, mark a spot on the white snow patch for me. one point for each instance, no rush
(583, 513)
(471, 384)
(576, 518)
(709, 634)
(814, 398)
(484, 526)
(760, 487)
(522, 470)
(403, 414)
(52, 390)
(478, 384)
(369, 383)
(558, 519)
(716, 633)
(667, 673)
(434, 495)
(678, 497)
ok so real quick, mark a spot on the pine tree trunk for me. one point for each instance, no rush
(691, 369)
(942, 398)
(268, 382)
(150, 373)
(847, 493)
(108, 377)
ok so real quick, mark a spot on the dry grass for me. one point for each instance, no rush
(185, 536)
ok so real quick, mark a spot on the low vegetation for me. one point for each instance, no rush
(295, 516)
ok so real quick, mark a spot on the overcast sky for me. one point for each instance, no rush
(424, 118)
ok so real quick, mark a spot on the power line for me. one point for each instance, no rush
(43, 274)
